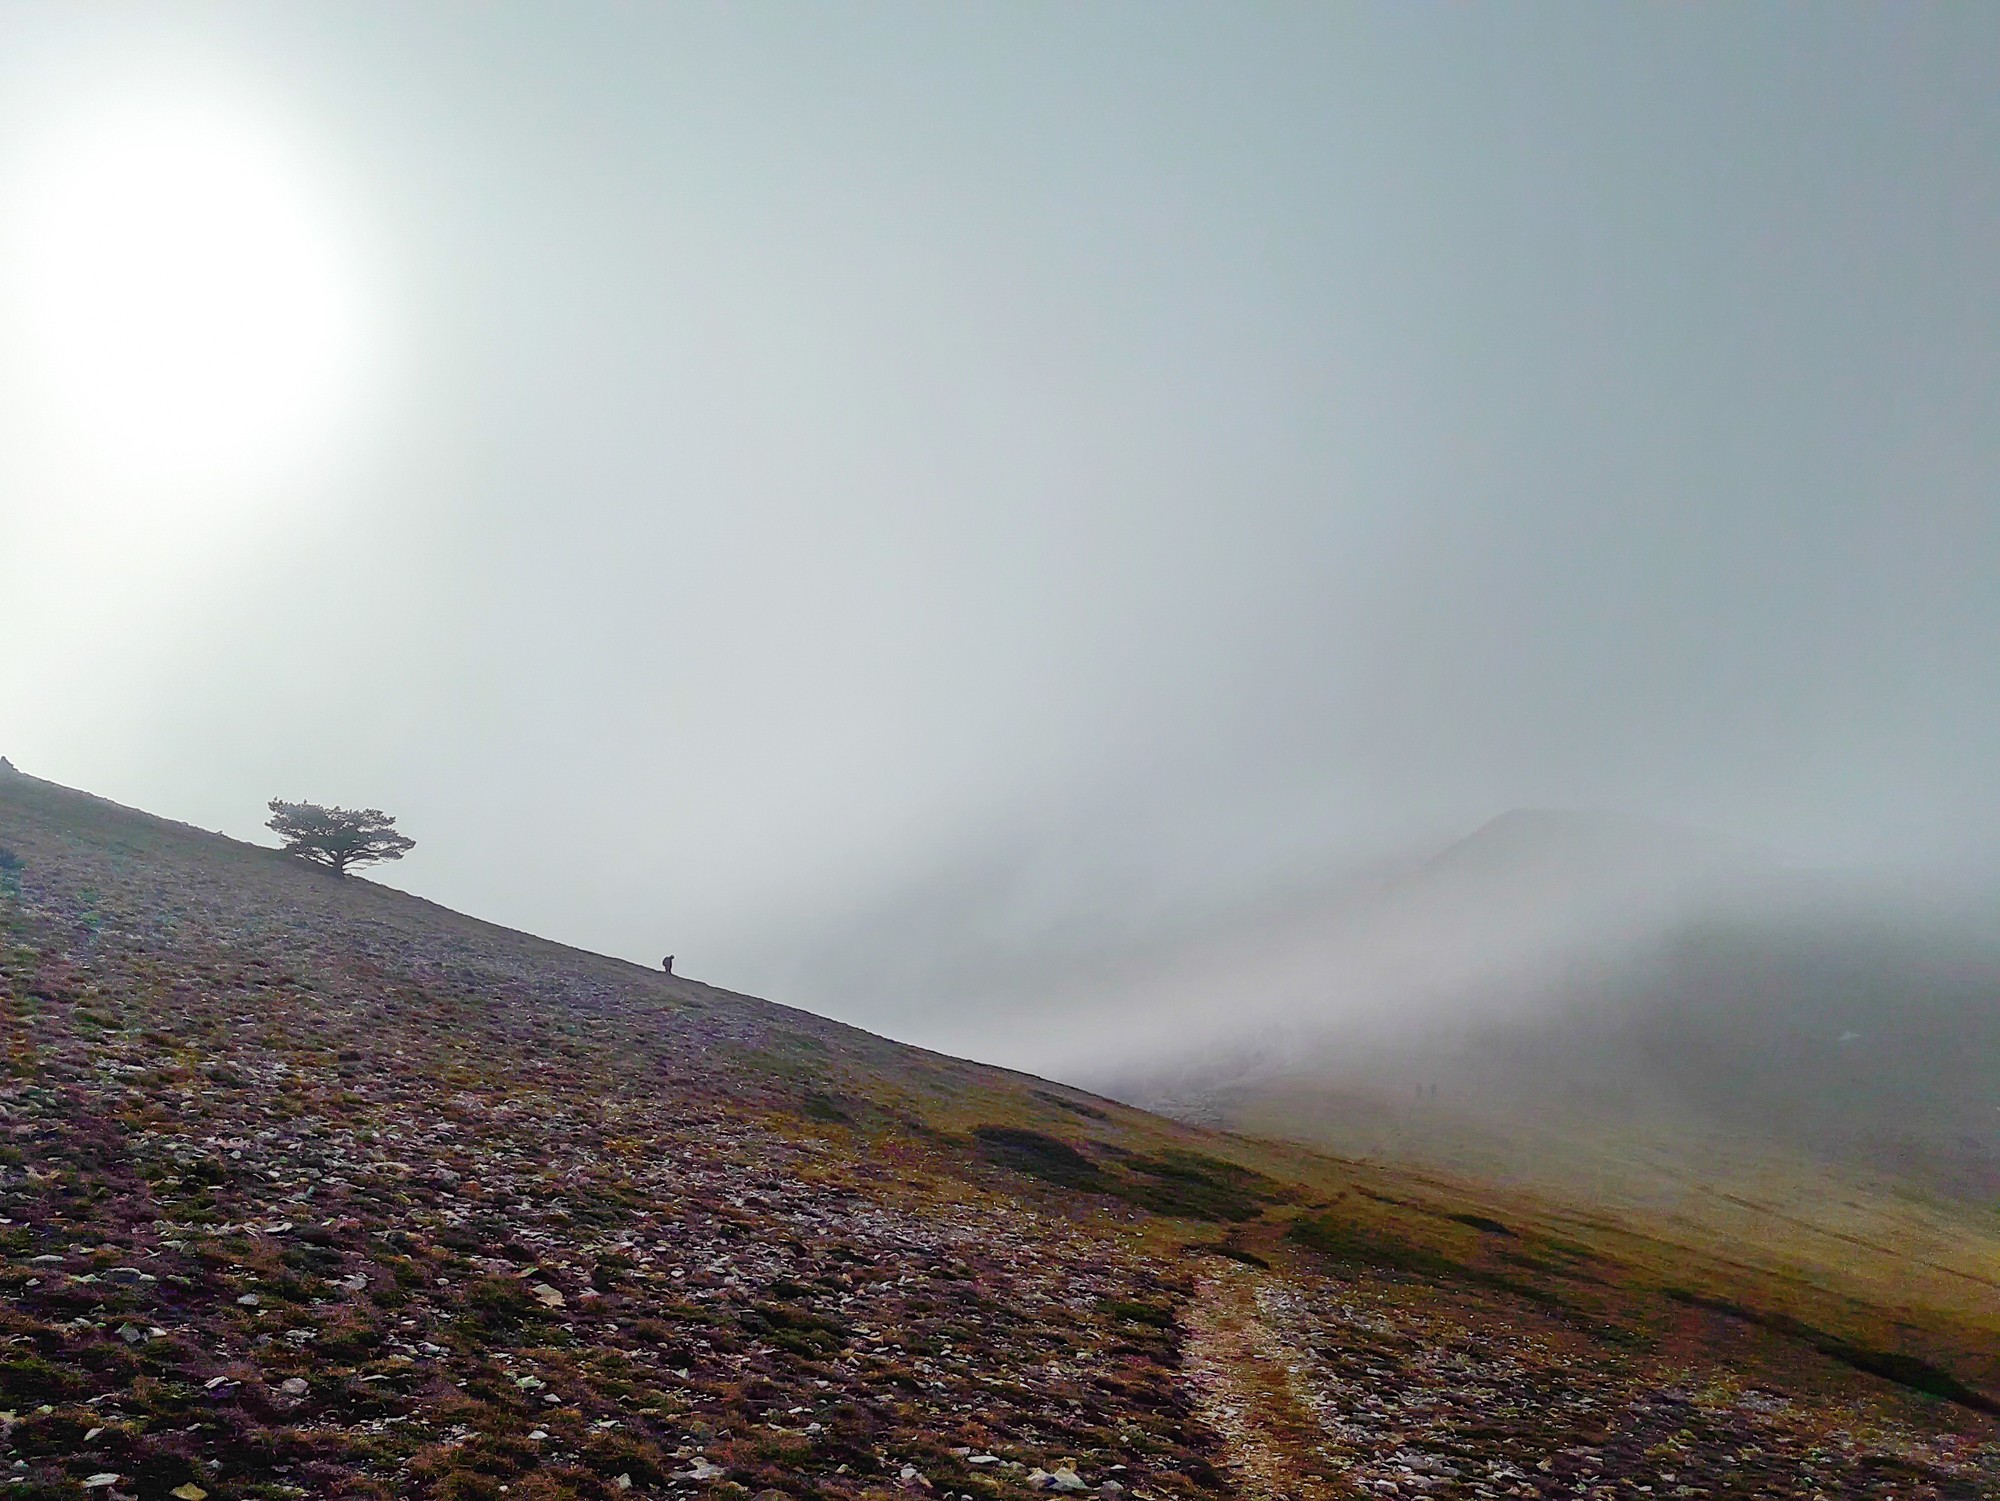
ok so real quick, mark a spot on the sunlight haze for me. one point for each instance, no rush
(909, 507)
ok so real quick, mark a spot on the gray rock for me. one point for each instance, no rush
(1062, 1480)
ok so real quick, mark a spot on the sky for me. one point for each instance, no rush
(862, 497)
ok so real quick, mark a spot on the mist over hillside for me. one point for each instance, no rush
(1574, 971)
(315, 1188)
(1047, 540)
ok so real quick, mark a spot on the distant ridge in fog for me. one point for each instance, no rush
(1582, 971)
(1590, 845)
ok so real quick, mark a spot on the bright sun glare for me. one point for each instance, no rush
(186, 312)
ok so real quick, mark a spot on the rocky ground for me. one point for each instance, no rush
(1374, 1387)
(308, 1188)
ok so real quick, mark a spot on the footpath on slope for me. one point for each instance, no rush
(1325, 1386)
(1248, 1390)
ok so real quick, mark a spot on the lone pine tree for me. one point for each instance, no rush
(337, 837)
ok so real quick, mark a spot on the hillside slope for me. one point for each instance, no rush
(1568, 980)
(310, 1188)
(1851, 1038)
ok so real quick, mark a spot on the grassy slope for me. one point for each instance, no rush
(1777, 1227)
(264, 1127)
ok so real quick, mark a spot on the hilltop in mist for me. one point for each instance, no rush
(1569, 972)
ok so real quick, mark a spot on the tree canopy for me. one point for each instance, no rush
(337, 837)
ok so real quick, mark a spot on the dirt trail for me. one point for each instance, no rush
(1350, 1386)
(1253, 1392)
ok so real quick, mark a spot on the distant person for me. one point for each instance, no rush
(667, 964)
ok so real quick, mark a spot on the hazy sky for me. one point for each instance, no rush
(805, 486)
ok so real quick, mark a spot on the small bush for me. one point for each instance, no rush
(1238, 1253)
(1357, 1245)
(1154, 1315)
(1074, 1107)
(468, 1485)
(1191, 1186)
(1482, 1224)
(1043, 1157)
(1907, 1370)
(29, 1378)
(610, 1454)
(498, 1302)
(795, 1329)
(823, 1107)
